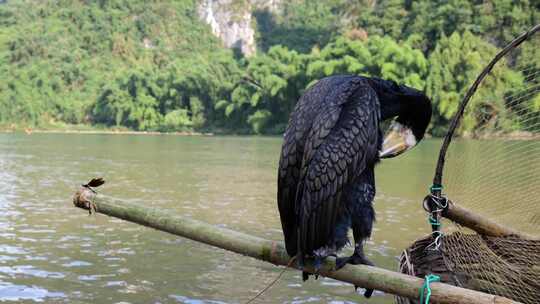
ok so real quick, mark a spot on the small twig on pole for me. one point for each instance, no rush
(274, 252)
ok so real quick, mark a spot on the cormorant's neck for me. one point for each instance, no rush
(411, 107)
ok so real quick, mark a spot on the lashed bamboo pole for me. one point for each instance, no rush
(482, 225)
(274, 252)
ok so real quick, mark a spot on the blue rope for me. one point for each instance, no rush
(434, 221)
(426, 289)
(425, 293)
(435, 188)
(433, 218)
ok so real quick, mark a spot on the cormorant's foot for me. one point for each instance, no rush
(340, 262)
(359, 259)
(368, 293)
(355, 259)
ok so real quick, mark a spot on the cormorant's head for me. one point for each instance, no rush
(412, 111)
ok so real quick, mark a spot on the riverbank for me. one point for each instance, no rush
(114, 132)
(87, 129)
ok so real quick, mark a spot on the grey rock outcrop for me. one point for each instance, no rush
(231, 21)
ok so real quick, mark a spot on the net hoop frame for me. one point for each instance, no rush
(437, 179)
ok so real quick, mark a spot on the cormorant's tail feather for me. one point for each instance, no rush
(291, 244)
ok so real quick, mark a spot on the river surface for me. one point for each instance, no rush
(54, 253)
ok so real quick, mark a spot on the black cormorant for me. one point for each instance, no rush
(326, 181)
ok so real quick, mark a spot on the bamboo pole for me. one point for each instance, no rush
(482, 225)
(274, 252)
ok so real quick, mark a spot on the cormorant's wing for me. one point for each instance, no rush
(292, 153)
(343, 140)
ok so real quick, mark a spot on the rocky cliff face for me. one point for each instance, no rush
(231, 21)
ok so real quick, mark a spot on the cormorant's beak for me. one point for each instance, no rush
(397, 140)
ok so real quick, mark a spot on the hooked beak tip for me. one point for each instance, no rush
(397, 140)
(392, 151)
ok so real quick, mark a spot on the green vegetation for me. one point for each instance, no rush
(153, 65)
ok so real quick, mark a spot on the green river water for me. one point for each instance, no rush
(55, 253)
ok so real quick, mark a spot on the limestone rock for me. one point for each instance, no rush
(231, 21)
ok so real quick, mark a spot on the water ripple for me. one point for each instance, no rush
(13, 292)
(30, 270)
(187, 300)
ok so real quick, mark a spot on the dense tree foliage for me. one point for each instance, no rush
(464, 57)
(138, 64)
(153, 65)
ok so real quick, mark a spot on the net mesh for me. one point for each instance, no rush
(494, 171)
(497, 172)
(504, 266)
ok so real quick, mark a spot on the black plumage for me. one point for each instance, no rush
(326, 171)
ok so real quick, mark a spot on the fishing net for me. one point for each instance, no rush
(493, 171)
